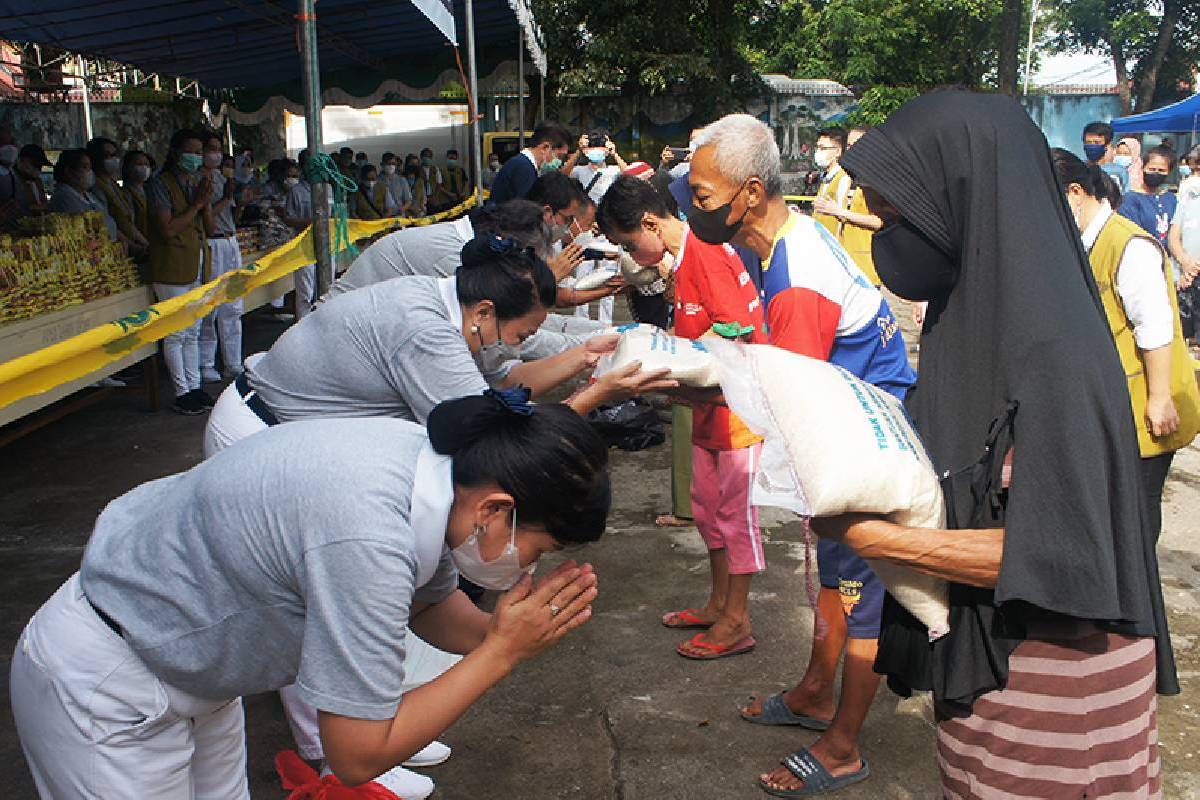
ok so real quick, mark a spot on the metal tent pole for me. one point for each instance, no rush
(1029, 50)
(87, 103)
(473, 78)
(520, 85)
(228, 132)
(307, 18)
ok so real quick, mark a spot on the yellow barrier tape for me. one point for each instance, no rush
(95, 349)
(799, 198)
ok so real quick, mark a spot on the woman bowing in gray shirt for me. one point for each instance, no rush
(305, 556)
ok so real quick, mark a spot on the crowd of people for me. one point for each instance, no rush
(1055, 384)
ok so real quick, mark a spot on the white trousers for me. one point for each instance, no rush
(225, 323)
(96, 724)
(181, 350)
(306, 290)
(604, 306)
(231, 419)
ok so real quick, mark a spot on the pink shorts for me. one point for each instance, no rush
(721, 481)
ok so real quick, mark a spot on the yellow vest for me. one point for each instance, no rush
(137, 202)
(114, 199)
(1105, 257)
(363, 209)
(177, 261)
(828, 190)
(857, 240)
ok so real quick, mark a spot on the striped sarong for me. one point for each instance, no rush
(1077, 720)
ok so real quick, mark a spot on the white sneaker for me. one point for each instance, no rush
(210, 375)
(434, 753)
(401, 782)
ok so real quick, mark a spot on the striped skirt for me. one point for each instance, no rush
(1077, 720)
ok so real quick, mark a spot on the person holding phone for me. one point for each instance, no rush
(596, 175)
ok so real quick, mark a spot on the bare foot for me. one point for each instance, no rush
(782, 778)
(671, 521)
(724, 632)
(692, 617)
(800, 700)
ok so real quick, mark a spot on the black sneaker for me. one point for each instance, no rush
(203, 398)
(188, 405)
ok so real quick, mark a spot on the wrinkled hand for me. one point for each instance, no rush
(524, 623)
(823, 205)
(617, 284)
(630, 381)
(205, 192)
(565, 262)
(1161, 415)
(582, 144)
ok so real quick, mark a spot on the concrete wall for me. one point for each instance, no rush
(145, 126)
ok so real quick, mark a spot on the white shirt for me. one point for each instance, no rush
(1141, 285)
(529, 154)
(585, 175)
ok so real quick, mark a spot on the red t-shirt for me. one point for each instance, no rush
(712, 286)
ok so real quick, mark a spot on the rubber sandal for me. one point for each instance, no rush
(671, 521)
(689, 618)
(817, 780)
(716, 650)
(776, 712)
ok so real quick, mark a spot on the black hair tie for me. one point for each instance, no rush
(454, 424)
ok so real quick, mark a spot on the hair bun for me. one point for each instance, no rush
(454, 424)
(486, 249)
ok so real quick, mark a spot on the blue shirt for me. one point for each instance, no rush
(1151, 211)
(515, 179)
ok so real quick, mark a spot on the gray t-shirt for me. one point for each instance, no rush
(394, 349)
(225, 226)
(68, 200)
(432, 250)
(293, 557)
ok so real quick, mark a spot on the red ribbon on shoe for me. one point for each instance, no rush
(305, 784)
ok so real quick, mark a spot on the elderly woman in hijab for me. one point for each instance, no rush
(1045, 685)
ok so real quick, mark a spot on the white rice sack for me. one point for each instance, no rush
(635, 273)
(835, 444)
(595, 279)
(689, 361)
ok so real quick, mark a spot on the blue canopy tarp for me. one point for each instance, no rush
(1181, 117)
(252, 44)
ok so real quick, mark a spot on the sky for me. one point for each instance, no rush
(1074, 68)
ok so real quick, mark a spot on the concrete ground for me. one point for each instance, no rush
(613, 713)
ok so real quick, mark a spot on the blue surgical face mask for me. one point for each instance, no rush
(1094, 152)
(451, 161)
(190, 162)
(1124, 161)
(596, 156)
(1184, 170)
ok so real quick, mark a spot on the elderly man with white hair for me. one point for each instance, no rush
(819, 304)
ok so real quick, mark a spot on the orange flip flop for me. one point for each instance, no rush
(716, 650)
(689, 618)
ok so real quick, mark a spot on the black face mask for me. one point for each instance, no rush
(1153, 179)
(713, 226)
(910, 265)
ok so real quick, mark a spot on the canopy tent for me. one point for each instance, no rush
(1181, 117)
(252, 44)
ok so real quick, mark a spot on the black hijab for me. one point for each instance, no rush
(1016, 354)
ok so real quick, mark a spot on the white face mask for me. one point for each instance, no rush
(501, 574)
(142, 172)
(823, 158)
(291, 181)
(369, 184)
(213, 159)
(8, 154)
(389, 169)
(494, 166)
(1123, 160)
(112, 165)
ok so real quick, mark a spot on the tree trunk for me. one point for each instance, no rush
(1162, 42)
(1010, 47)
(1122, 70)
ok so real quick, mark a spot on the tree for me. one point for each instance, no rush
(1136, 34)
(921, 43)
(1010, 47)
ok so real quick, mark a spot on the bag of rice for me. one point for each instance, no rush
(595, 279)
(689, 361)
(835, 444)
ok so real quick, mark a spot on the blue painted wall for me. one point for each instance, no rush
(1062, 117)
